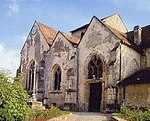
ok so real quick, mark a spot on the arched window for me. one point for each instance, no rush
(41, 75)
(95, 68)
(29, 85)
(57, 78)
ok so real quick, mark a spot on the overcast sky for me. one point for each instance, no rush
(17, 17)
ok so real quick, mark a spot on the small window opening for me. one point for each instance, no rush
(57, 79)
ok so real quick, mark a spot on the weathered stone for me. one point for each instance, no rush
(118, 60)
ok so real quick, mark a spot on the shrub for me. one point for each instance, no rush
(13, 97)
(134, 114)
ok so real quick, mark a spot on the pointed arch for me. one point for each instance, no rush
(95, 67)
(30, 76)
(56, 77)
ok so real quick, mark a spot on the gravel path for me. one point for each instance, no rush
(88, 116)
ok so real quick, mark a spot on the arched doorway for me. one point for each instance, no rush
(95, 84)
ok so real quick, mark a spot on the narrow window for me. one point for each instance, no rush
(57, 81)
(41, 75)
(95, 68)
(30, 77)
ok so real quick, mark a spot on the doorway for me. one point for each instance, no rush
(95, 97)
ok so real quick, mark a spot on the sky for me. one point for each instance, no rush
(18, 16)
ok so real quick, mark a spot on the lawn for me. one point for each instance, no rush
(44, 115)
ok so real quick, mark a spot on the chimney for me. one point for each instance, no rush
(137, 35)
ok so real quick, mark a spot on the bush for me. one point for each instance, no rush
(134, 114)
(13, 97)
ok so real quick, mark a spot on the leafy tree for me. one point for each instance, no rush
(13, 97)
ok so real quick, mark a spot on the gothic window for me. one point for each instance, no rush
(30, 77)
(57, 78)
(95, 68)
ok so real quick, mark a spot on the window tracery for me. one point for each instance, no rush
(95, 68)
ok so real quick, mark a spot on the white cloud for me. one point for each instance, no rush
(9, 59)
(12, 7)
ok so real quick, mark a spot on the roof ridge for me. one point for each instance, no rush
(44, 25)
(110, 16)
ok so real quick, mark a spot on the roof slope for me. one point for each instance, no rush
(47, 32)
(72, 39)
(139, 77)
(145, 37)
(50, 34)
(124, 38)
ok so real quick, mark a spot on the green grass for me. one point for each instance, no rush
(48, 113)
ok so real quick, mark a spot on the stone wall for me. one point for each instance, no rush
(79, 33)
(99, 40)
(63, 54)
(130, 62)
(33, 50)
(138, 95)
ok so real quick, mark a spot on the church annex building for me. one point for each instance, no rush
(98, 67)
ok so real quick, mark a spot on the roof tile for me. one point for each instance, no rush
(72, 39)
(48, 32)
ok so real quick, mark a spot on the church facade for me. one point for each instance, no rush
(97, 68)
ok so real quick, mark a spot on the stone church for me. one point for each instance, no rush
(98, 67)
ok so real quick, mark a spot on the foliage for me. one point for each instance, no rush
(48, 113)
(134, 114)
(13, 97)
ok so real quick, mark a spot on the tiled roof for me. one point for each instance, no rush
(124, 38)
(139, 77)
(47, 32)
(119, 34)
(145, 37)
(72, 39)
(50, 34)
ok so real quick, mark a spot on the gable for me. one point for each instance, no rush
(97, 33)
(61, 44)
(98, 39)
(116, 22)
(34, 46)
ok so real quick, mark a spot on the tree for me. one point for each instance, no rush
(13, 98)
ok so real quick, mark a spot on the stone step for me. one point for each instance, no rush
(36, 105)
